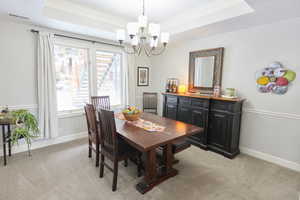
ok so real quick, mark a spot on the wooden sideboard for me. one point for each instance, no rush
(220, 118)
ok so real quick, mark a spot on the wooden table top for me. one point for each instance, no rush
(145, 140)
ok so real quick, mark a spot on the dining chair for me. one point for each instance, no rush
(114, 147)
(150, 102)
(101, 102)
(93, 131)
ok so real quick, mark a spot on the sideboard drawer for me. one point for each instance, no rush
(185, 101)
(225, 106)
(171, 99)
(203, 103)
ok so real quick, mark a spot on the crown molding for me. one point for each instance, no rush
(217, 10)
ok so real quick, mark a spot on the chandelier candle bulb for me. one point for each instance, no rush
(135, 41)
(154, 29)
(121, 35)
(153, 43)
(143, 21)
(164, 37)
(132, 29)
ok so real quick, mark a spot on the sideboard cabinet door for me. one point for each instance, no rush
(200, 118)
(184, 114)
(171, 111)
(219, 131)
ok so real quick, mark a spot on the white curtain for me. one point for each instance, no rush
(46, 85)
(131, 80)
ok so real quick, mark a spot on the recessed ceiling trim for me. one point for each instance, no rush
(84, 12)
(218, 10)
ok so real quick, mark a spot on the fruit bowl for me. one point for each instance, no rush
(131, 113)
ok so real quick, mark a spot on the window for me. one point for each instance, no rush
(77, 80)
(72, 77)
(109, 76)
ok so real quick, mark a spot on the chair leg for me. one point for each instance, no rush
(97, 155)
(115, 179)
(102, 166)
(90, 148)
(126, 162)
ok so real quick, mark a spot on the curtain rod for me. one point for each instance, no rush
(77, 38)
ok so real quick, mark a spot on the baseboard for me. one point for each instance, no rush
(273, 159)
(44, 143)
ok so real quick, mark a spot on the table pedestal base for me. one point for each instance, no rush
(144, 187)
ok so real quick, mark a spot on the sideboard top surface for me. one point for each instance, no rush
(204, 97)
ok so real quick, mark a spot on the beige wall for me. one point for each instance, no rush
(270, 122)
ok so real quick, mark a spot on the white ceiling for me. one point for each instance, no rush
(157, 10)
(185, 19)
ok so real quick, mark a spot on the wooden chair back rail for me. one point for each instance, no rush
(108, 133)
(101, 102)
(93, 131)
(150, 101)
(91, 119)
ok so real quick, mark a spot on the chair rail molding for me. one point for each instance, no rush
(272, 114)
(30, 107)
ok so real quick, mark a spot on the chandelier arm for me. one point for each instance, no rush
(148, 51)
(140, 49)
(158, 52)
(127, 50)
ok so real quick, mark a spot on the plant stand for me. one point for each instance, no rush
(6, 133)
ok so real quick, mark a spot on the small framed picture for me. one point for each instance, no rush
(143, 76)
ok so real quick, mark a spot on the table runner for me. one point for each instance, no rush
(144, 124)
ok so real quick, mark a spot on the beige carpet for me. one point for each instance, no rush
(64, 172)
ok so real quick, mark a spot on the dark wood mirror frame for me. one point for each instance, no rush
(218, 65)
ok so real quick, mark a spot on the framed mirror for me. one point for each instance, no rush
(205, 70)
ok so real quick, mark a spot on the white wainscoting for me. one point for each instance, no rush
(45, 143)
(276, 118)
(249, 151)
(70, 128)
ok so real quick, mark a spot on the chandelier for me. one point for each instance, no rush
(144, 37)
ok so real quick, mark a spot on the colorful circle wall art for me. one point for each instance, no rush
(274, 79)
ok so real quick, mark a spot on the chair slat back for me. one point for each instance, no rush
(108, 131)
(91, 121)
(101, 102)
(150, 101)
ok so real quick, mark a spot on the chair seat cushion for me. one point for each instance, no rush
(180, 145)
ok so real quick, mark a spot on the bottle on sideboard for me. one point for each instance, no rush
(168, 86)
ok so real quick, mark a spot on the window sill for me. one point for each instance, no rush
(63, 115)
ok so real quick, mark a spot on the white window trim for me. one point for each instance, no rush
(92, 48)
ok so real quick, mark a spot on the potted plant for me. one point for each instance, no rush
(26, 127)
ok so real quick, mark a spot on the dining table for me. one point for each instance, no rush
(149, 141)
